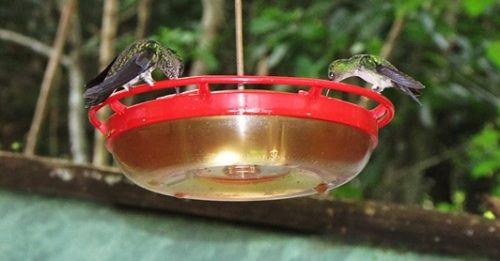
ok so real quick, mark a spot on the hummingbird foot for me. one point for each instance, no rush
(146, 76)
(126, 87)
(149, 80)
(131, 83)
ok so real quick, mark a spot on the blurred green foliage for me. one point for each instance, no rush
(456, 204)
(484, 152)
(477, 7)
(484, 156)
(493, 51)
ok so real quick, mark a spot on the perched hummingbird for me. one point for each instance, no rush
(377, 71)
(134, 64)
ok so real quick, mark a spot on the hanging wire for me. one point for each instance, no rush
(239, 41)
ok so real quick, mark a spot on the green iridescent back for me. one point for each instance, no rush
(134, 49)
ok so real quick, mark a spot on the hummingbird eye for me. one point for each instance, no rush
(331, 75)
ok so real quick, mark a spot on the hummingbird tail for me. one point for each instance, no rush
(127, 73)
(413, 93)
(415, 99)
(96, 95)
(102, 91)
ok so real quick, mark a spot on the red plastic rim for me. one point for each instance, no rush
(310, 104)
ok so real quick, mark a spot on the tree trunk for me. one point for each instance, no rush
(393, 35)
(53, 118)
(48, 78)
(211, 21)
(76, 129)
(143, 15)
(106, 54)
(262, 67)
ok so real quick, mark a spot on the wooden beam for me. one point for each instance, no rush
(378, 222)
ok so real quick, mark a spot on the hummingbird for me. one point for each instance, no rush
(134, 64)
(377, 71)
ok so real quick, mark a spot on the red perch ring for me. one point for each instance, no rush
(242, 145)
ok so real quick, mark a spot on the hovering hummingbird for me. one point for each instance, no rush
(377, 71)
(134, 64)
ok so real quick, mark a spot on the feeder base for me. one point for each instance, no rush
(242, 157)
(196, 184)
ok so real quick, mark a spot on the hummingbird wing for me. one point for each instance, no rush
(403, 82)
(101, 76)
(400, 78)
(134, 67)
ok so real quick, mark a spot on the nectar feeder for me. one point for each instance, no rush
(242, 145)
